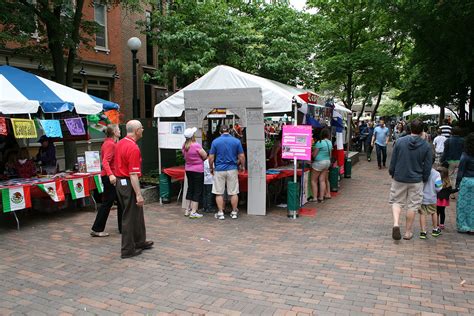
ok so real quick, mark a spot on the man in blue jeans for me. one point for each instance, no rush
(380, 139)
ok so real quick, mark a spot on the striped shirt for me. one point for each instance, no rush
(445, 130)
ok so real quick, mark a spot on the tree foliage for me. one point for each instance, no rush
(358, 51)
(271, 40)
(442, 61)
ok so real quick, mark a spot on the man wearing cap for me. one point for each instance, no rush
(225, 157)
(128, 162)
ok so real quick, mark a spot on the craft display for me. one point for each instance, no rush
(3, 127)
(52, 128)
(75, 126)
(24, 128)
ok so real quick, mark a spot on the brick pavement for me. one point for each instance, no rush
(343, 261)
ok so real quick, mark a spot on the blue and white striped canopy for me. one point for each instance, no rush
(22, 92)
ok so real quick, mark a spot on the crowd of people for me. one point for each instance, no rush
(425, 175)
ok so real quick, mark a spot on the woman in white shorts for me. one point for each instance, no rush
(320, 167)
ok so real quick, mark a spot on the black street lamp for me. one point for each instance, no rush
(134, 44)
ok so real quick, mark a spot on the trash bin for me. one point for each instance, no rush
(347, 168)
(165, 188)
(334, 179)
(293, 199)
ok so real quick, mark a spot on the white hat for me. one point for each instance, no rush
(189, 132)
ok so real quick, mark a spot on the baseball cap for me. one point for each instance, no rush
(189, 132)
(224, 128)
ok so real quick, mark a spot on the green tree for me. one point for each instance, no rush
(59, 29)
(358, 52)
(442, 61)
(271, 40)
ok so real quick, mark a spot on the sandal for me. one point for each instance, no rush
(408, 236)
(320, 200)
(328, 197)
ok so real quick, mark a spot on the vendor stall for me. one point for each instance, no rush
(275, 98)
(27, 105)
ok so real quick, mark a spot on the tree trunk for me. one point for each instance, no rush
(349, 91)
(363, 108)
(75, 36)
(379, 98)
(441, 114)
(462, 108)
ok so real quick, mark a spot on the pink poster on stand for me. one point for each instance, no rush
(296, 142)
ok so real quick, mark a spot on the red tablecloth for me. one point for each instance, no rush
(179, 173)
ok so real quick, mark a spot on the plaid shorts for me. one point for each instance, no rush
(427, 209)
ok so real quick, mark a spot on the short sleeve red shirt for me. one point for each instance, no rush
(128, 158)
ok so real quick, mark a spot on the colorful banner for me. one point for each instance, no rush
(79, 188)
(296, 142)
(17, 198)
(52, 128)
(3, 126)
(98, 183)
(24, 128)
(75, 126)
(53, 189)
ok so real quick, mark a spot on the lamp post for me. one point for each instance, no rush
(134, 44)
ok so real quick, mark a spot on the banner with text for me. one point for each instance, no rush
(296, 142)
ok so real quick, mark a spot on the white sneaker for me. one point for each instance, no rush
(195, 215)
(219, 215)
(187, 212)
(234, 214)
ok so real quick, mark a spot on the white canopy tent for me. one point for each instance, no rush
(427, 109)
(276, 97)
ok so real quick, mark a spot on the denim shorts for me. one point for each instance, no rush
(321, 165)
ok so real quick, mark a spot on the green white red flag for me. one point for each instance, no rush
(78, 188)
(53, 189)
(98, 183)
(17, 198)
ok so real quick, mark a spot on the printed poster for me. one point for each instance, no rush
(296, 142)
(171, 135)
(92, 161)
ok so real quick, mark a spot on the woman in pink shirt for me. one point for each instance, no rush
(194, 157)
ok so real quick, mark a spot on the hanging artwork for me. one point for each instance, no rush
(3, 126)
(75, 126)
(52, 128)
(24, 128)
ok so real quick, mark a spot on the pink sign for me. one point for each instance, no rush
(296, 142)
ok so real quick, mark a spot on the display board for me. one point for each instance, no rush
(171, 135)
(92, 161)
(296, 142)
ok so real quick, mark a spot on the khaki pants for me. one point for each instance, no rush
(133, 221)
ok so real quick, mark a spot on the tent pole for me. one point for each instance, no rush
(159, 154)
(294, 159)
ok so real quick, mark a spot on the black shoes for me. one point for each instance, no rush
(396, 233)
(131, 255)
(146, 245)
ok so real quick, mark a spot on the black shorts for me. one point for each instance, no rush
(195, 185)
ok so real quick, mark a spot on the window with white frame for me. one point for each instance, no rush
(100, 17)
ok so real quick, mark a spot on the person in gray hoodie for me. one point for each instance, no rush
(410, 167)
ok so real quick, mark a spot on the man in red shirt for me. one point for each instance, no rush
(128, 162)
(108, 179)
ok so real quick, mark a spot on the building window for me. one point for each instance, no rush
(100, 17)
(149, 44)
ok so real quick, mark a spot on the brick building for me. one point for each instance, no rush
(106, 70)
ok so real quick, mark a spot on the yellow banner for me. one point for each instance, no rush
(24, 128)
